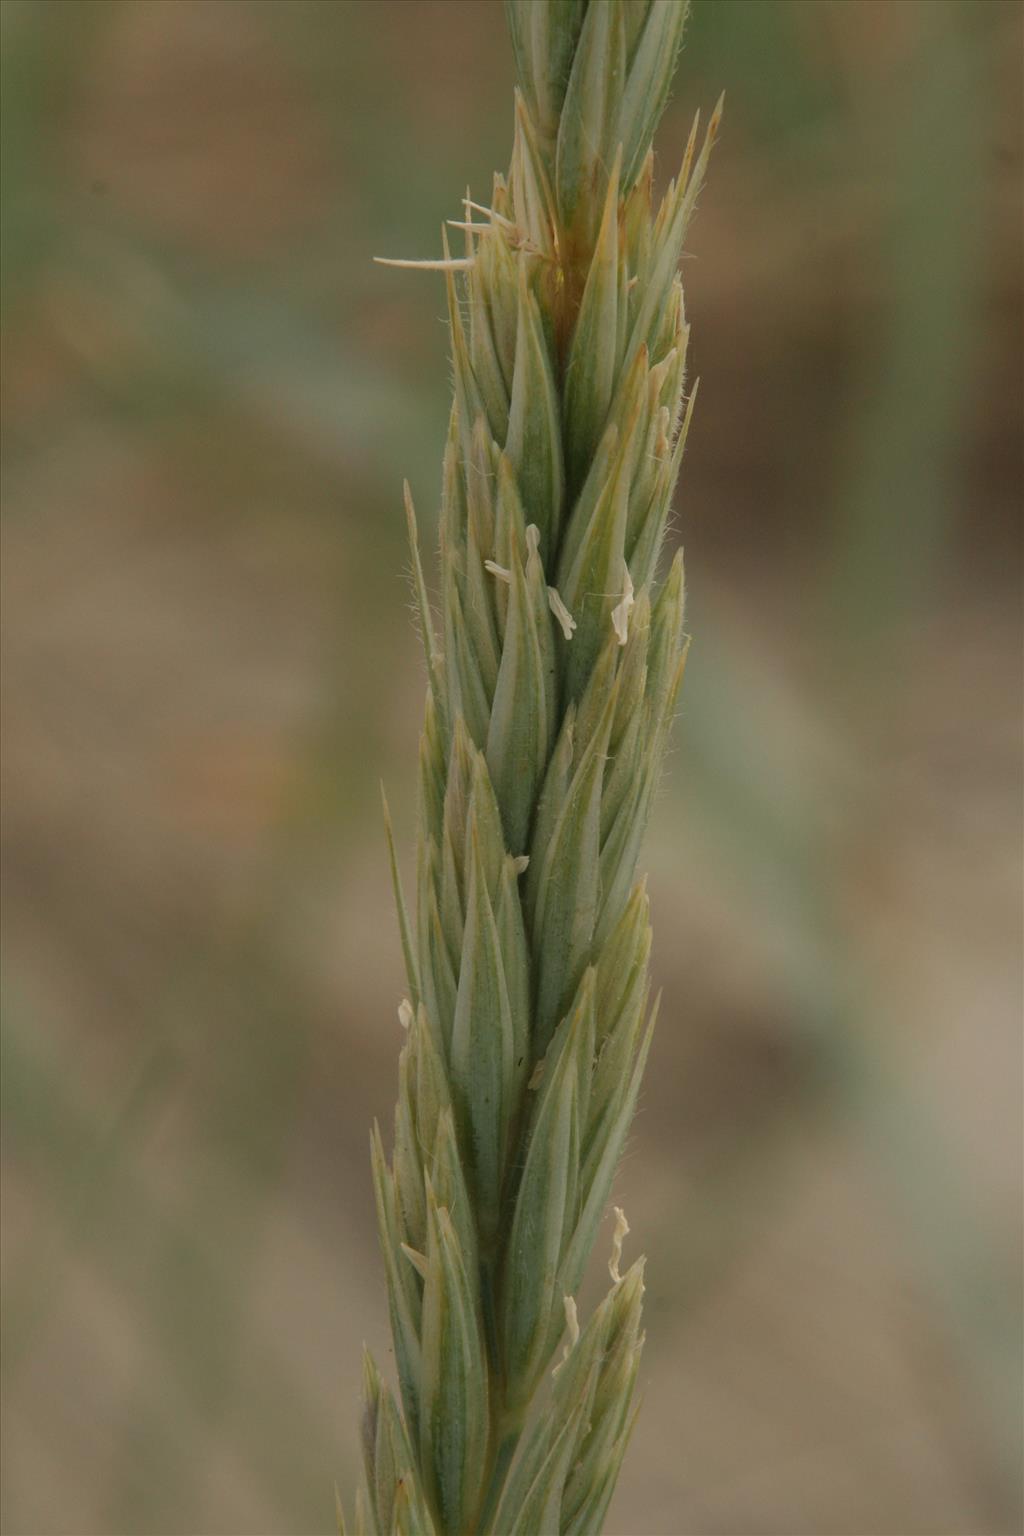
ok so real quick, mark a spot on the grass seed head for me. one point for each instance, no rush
(553, 668)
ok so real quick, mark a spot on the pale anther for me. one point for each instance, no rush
(449, 264)
(416, 1259)
(621, 1228)
(662, 444)
(499, 218)
(572, 1322)
(561, 612)
(621, 611)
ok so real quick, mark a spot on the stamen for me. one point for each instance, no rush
(572, 1322)
(621, 1228)
(561, 612)
(500, 571)
(621, 611)
(499, 218)
(661, 445)
(416, 1259)
(450, 264)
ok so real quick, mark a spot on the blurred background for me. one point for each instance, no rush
(210, 398)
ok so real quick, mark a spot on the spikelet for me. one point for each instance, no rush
(553, 670)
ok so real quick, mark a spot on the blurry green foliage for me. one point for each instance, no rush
(179, 1057)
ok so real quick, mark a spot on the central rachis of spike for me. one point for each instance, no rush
(553, 673)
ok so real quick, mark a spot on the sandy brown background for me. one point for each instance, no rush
(210, 399)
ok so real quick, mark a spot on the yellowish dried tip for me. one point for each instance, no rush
(621, 1229)
(688, 153)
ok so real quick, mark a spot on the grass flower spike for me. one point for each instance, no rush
(553, 670)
